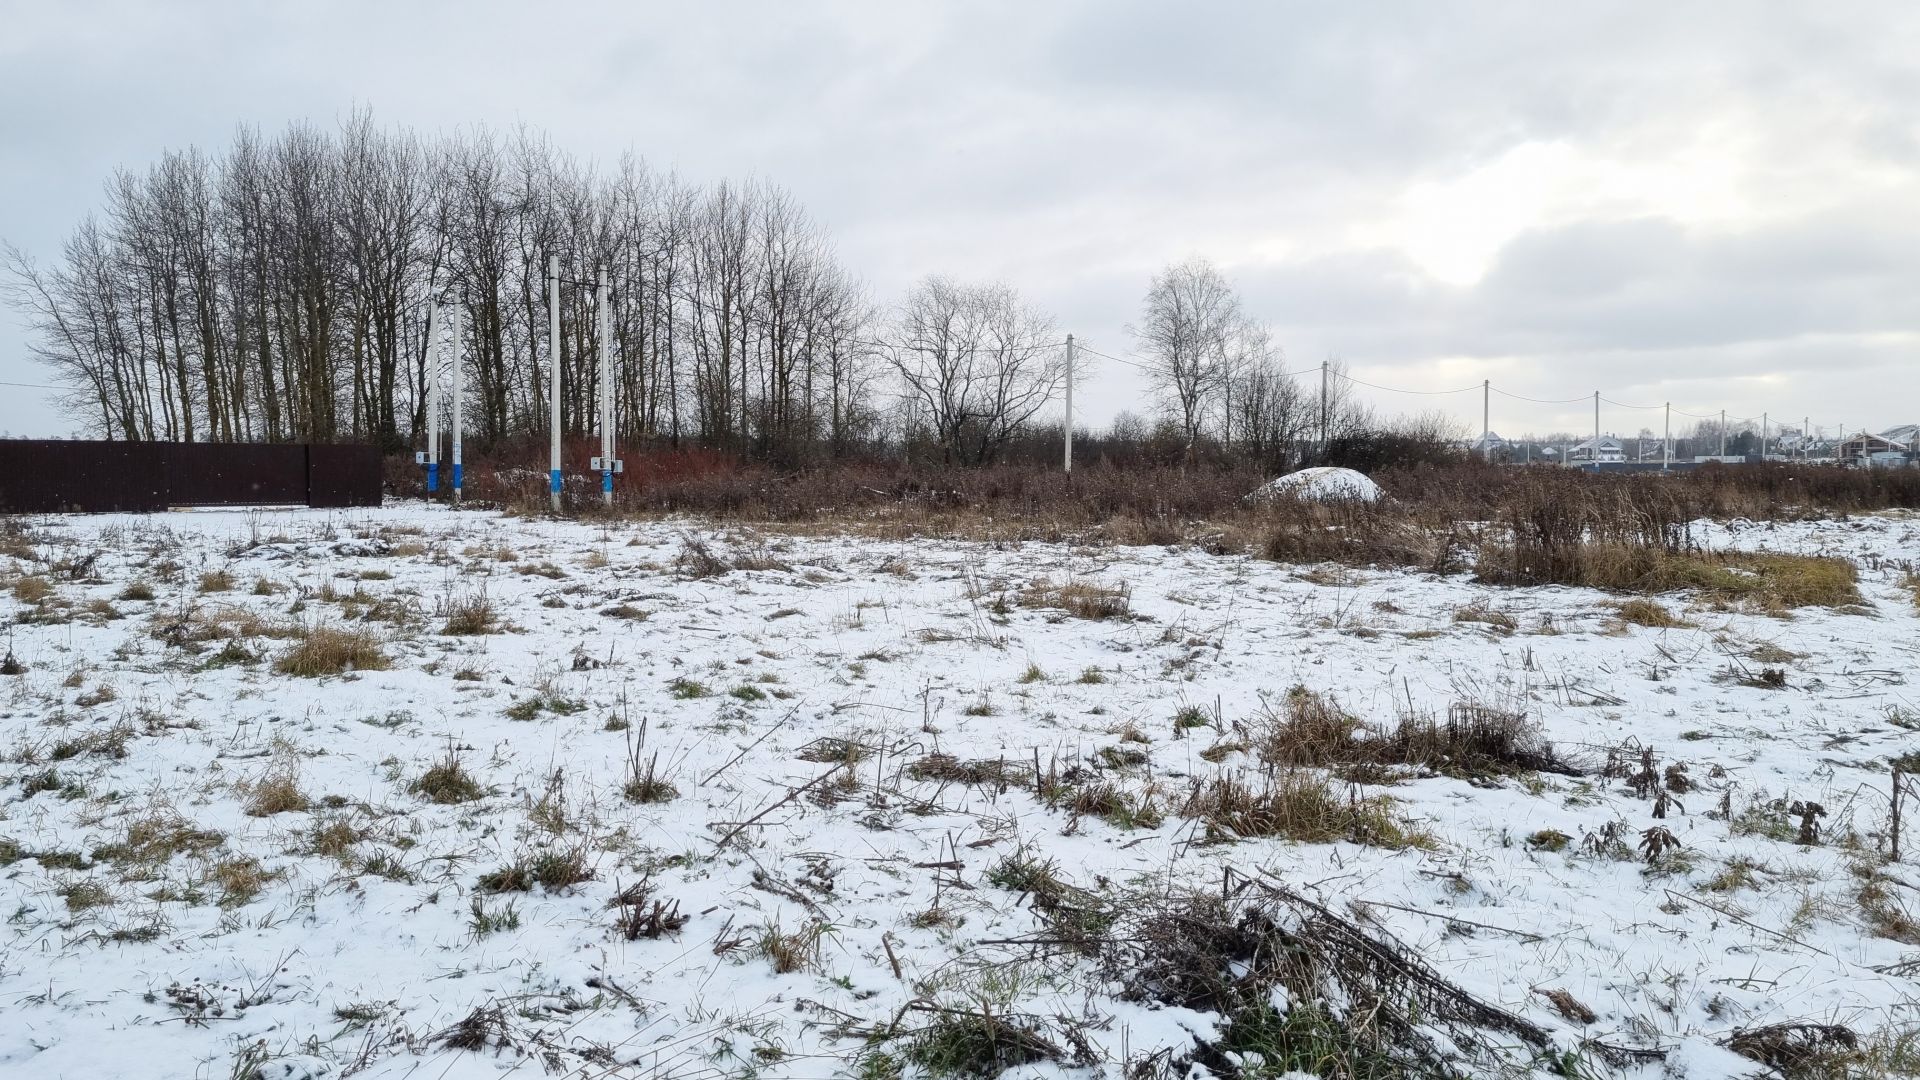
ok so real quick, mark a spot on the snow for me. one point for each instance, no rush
(358, 961)
(1322, 484)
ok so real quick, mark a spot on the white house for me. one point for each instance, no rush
(1488, 445)
(1603, 450)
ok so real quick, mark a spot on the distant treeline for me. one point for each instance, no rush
(279, 290)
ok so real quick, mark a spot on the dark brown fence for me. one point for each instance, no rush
(40, 476)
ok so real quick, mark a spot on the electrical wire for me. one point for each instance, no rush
(1397, 390)
(1539, 401)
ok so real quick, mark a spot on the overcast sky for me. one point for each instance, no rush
(1712, 204)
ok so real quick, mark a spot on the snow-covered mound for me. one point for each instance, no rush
(1324, 484)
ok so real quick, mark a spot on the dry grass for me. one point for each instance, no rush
(552, 870)
(1298, 805)
(1081, 599)
(793, 951)
(277, 792)
(1311, 729)
(326, 650)
(1650, 613)
(156, 837)
(470, 615)
(447, 782)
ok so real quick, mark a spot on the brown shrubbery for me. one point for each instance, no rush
(1513, 525)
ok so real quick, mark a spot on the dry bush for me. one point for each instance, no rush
(1309, 729)
(641, 915)
(216, 581)
(1302, 990)
(698, 561)
(327, 650)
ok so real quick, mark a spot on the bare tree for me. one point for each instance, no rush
(975, 363)
(1189, 318)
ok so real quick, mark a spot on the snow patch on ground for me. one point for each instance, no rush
(355, 934)
(1321, 484)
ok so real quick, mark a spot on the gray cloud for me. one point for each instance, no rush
(1074, 148)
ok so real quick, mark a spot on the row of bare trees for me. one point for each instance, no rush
(1221, 379)
(280, 291)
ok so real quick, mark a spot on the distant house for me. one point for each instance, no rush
(1907, 435)
(1490, 445)
(1604, 449)
(1865, 447)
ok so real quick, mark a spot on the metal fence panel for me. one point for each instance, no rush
(58, 475)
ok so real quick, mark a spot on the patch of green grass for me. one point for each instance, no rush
(552, 870)
(684, 689)
(447, 783)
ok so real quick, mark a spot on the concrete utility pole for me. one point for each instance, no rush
(433, 398)
(1763, 436)
(606, 389)
(1666, 440)
(1723, 433)
(458, 392)
(1069, 462)
(1596, 431)
(553, 379)
(1324, 424)
(1806, 437)
(1486, 419)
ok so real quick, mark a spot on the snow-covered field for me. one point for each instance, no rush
(212, 867)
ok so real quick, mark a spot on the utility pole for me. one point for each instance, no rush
(606, 389)
(1723, 433)
(1666, 440)
(1596, 431)
(1763, 436)
(433, 398)
(1324, 426)
(553, 379)
(1806, 437)
(1069, 462)
(1486, 419)
(458, 423)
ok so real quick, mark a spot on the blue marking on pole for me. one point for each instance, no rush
(433, 477)
(606, 480)
(553, 481)
(456, 476)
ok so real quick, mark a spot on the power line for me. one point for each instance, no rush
(1540, 401)
(1397, 390)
